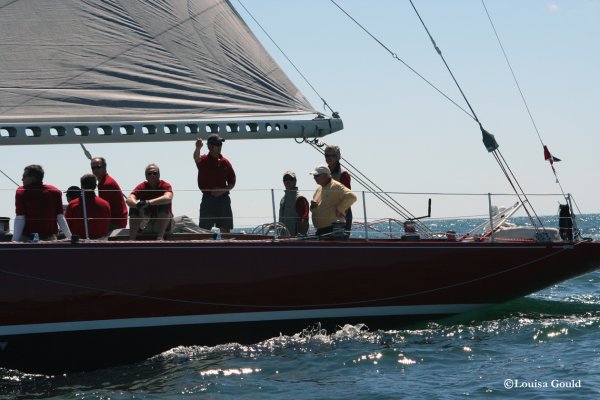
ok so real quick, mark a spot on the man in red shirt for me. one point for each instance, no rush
(97, 212)
(109, 190)
(38, 208)
(333, 155)
(216, 178)
(150, 199)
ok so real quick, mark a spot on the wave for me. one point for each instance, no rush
(528, 307)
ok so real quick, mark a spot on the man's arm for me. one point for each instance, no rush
(62, 222)
(166, 198)
(197, 150)
(19, 226)
(132, 200)
(348, 198)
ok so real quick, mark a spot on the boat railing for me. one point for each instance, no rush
(454, 216)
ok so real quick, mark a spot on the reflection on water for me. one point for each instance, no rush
(351, 356)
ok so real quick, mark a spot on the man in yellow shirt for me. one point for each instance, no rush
(330, 201)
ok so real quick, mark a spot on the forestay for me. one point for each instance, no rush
(66, 65)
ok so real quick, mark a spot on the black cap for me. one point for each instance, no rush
(214, 138)
(73, 192)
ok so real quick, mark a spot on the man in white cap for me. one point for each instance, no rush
(330, 201)
(293, 208)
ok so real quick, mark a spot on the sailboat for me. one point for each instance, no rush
(147, 71)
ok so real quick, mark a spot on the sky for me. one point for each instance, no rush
(399, 131)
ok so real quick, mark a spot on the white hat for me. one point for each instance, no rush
(321, 169)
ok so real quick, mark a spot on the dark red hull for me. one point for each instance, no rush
(80, 306)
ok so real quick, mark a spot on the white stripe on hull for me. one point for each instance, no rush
(237, 317)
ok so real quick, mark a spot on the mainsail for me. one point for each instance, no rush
(114, 61)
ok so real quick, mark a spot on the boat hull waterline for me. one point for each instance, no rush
(69, 307)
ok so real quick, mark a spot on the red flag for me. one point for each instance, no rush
(552, 159)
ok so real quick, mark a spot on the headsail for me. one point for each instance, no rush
(74, 61)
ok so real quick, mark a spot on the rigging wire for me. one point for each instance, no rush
(489, 140)
(325, 104)
(437, 49)
(9, 178)
(514, 76)
(395, 56)
(373, 188)
(86, 152)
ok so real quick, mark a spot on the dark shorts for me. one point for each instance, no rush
(216, 211)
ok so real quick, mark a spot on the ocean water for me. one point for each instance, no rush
(544, 346)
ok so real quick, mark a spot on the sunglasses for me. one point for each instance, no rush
(151, 173)
(330, 155)
(218, 144)
(287, 178)
(97, 166)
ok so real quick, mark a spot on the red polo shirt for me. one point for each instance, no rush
(110, 191)
(345, 179)
(143, 191)
(98, 216)
(214, 173)
(40, 204)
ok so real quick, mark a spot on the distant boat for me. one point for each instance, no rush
(143, 71)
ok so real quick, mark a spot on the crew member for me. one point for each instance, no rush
(97, 212)
(39, 208)
(151, 200)
(330, 201)
(216, 178)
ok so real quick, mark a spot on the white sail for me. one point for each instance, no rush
(83, 60)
